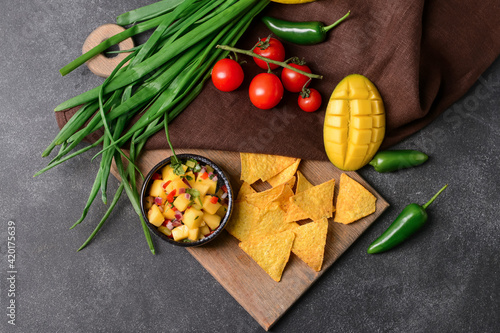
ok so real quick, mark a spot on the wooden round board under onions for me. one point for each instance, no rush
(102, 65)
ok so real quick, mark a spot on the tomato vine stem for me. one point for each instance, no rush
(279, 63)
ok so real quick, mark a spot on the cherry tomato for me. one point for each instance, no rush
(311, 103)
(274, 51)
(227, 75)
(293, 81)
(265, 91)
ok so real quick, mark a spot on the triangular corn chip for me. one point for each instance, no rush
(262, 199)
(270, 252)
(242, 220)
(294, 213)
(245, 189)
(310, 241)
(354, 201)
(285, 175)
(270, 221)
(317, 201)
(263, 166)
(302, 183)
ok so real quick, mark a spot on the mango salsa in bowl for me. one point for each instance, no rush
(187, 204)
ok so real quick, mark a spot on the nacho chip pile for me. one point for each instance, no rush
(265, 222)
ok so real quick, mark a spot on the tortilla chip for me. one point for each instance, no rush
(291, 182)
(285, 196)
(243, 219)
(262, 199)
(285, 175)
(316, 202)
(263, 166)
(270, 221)
(302, 183)
(353, 202)
(245, 189)
(270, 252)
(310, 241)
(294, 213)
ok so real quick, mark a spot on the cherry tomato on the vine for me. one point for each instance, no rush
(227, 75)
(293, 81)
(311, 103)
(274, 51)
(265, 91)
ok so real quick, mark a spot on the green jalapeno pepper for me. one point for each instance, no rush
(305, 33)
(412, 218)
(392, 160)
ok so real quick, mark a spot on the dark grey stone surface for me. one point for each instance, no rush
(445, 279)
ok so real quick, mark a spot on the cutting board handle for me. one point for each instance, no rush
(102, 65)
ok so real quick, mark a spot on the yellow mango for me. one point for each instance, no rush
(209, 207)
(181, 203)
(204, 230)
(212, 220)
(180, 232)
(154, 216)
(165, 230)
(156, 189)
(193, 218)
(193, 234)
(354, 123)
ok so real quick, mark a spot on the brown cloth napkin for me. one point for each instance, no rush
(422, 56)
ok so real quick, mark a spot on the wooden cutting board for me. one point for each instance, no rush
(263, 298)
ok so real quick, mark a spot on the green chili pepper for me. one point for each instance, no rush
(392, 160)
(412, 218)
(305, 33)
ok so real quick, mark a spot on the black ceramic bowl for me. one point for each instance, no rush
(222, 179)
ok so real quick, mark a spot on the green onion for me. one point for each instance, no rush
(163, 76)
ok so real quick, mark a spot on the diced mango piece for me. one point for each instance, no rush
(201, 187)
(212, 220)
(179, 233)
(209, 207)
(193, 234)
(168, 212)
(165, 230)
(222, 211)
(156, 189)
(212, 185)
(155, 216)
(176, 185)
(205, 230)
(354, 124)
(181, 202)
(192, 218)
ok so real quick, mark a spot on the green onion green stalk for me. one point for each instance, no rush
(162, 77)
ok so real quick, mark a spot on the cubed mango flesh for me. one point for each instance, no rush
(181, 202)
(156, 189)
(212, 220)
(181, 232)
(354, 124)
(192, 218)
(155, 216)
(209, 207)
(165, 230)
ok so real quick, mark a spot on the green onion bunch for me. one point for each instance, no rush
(162, 77)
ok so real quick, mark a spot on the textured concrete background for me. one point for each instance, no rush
(445, 279)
